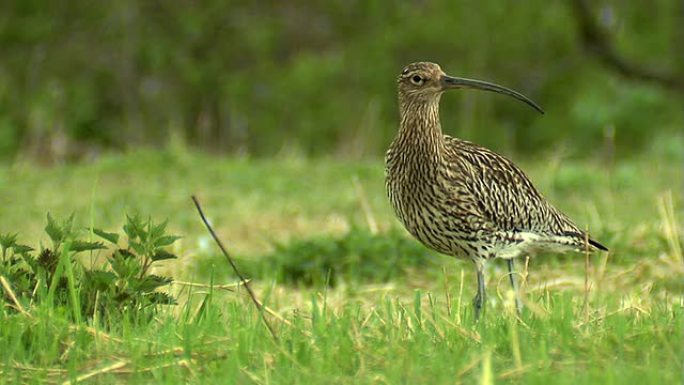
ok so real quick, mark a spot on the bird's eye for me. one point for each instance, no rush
(417, 80)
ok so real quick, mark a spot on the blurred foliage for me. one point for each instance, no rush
(259, 78)
(357, 256)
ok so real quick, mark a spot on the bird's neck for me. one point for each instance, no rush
(420, 128)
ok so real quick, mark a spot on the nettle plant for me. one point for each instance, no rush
(120, 285)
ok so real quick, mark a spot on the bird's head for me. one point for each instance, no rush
(425, 81)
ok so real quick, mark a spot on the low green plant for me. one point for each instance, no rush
(57, 275)
(357, 256)
(17, 264)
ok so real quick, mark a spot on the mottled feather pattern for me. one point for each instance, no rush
(464, 200)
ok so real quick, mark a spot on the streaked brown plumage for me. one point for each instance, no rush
(459, 198)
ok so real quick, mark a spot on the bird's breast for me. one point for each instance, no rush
(429, 207)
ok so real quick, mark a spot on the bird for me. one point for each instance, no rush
(464, 200)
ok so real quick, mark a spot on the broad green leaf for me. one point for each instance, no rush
(150, 282)
(120, 267)
(166, 240)
(78, 246)
(101, 280)
(159, 298)
(134, 227)
(68, 225)
(122, 297)
(137, 246)
(157, 231)
(110, 237)
(22, 249)
(126, 254)
(161, 255)
(123, 265)
(53, 230)
(8, 240)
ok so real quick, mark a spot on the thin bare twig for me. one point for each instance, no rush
(227, 287)
(257, 303)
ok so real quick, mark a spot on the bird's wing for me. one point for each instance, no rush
(505, 196)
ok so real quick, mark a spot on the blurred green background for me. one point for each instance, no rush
(78, 78)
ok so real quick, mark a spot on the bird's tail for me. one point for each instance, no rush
(581, 238)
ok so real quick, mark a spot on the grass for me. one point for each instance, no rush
(393, 312)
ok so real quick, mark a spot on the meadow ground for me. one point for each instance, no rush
(392, 311)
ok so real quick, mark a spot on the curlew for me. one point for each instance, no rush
(462, 199)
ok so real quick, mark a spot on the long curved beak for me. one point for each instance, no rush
(450, 82)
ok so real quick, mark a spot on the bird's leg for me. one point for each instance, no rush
(479, 300)
(514, 285)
